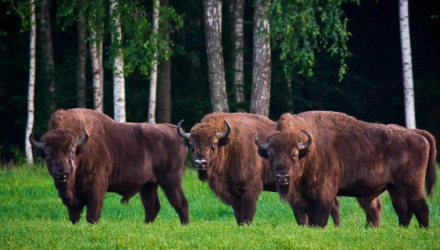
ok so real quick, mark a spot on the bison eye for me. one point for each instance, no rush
(214, 146)
(269, 155)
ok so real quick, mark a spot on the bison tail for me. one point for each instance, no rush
(431, 174)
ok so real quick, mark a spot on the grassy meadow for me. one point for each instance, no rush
(33, 217)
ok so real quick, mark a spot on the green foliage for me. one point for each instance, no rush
(33, 217)
(300, 29)
(139, 42)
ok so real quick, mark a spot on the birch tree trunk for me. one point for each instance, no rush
(81, 66)
(31, 91)
(163, 109)
(216, 70)
(408, 85)
(238, 50)
(153, 77)
(118, 71)
(47, 51)
(261, 72)
(97, 70)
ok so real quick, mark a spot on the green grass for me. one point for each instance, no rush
(33, 217)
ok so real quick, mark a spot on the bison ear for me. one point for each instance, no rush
(303, 153)
(263, 153)
(186, 142)
(224, 141)
(81, 149)
(38, 152)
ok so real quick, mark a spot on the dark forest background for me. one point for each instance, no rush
(372, 89)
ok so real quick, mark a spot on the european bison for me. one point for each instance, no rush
(347, 157)
(224, 155)
(89, 154)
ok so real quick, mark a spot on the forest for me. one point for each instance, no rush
(164, 61)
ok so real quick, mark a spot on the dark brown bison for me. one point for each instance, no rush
(224, 155)
(89, 154)
(347, 157)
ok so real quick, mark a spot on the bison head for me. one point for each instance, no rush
(205, 141)
(59, 148)
(284, 152)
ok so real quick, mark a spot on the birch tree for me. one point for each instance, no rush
(261, 65)
(153, 77)
(97, 69)
(118, 67)
(216, 71)
(238, 12)
(31, 91)
(81, 64)
(163, 109)
(47, 50)
(408, 85)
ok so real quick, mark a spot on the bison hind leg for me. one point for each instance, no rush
(335, 213)
(373, 210)
(400, 206)
(125, 201)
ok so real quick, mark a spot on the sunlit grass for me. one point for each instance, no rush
(33, 217)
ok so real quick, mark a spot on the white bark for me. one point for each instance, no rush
(30, 120)
(96, 59)
(408, 85)
(153, 83)
(216, 69)
(118, 71)
(261, 66)
(238, 50)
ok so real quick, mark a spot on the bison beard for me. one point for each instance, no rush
(124, 158)
(349, 157)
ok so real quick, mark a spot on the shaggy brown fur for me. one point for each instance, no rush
(234, 171)
(349, 157)
(123, 158)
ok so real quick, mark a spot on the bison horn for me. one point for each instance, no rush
(37, 144)
(305, 145)
(83, 140)
(182, 134)
(260, 146)
(225, 134)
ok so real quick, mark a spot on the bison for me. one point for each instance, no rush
(224, 155)
(347, 157)
(88, 154)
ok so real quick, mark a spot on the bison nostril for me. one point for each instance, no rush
(282, 178)
(61, 175)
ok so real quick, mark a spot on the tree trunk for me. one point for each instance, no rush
(153, 82)
(289, 98)
(81, 66)
(238, 50)
(97, 70)
(30, 120)
(47, 51)
(408, 85)
(118, 71)
(163, 109)
(216, 70)
(261, 72)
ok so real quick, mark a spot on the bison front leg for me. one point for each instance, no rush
(248, 208)
(74, 213)
(150, 200)
(301, 218)
(321, 213)
(94, 203)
